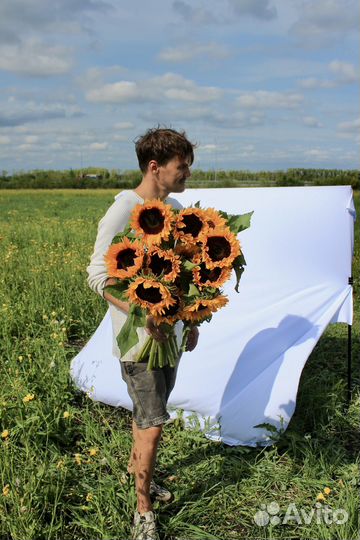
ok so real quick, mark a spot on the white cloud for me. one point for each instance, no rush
(20, 17)
(123, 91)
(311, 121)
(95, 76)
(260, 9)
(324, 21)
(35, 58)
(317, 154)
(207, 148)
(196, 15)
(188, 51)
(221, 12)
(56, 146)
(31, 139)
(312, 82)
(169, 86)
(123, 125)
(262, 99)
(4, 139)
(120, 138)
(345, 73)
(98, 146)
(349, 128)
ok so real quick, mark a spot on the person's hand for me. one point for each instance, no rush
(154, 330)
(192, 338)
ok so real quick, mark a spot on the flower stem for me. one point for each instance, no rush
(152, 358)
(145, 350)
(186, 332)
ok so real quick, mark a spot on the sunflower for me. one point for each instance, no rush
(209, 277)
(172, 313)
(214, 218)
(124, 260)
(165, 263)
(150, 294)
(203, 308)
(152, 221)
(190, 225)
(220, 248)
(187, 250)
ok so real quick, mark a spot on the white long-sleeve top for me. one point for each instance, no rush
(114, 222)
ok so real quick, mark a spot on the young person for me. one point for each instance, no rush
(164, 157)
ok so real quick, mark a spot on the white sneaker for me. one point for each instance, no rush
(144, 527)
(159, 492)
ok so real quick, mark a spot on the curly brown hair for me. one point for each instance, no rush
(162, 145)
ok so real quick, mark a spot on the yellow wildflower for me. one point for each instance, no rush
(6, 490)
(320, 497)
(5, 434)
(89, 497)
(60, 464)
(78, 458)
(21, 358)
(93, 451)
(66, 414)
(28, 397)
(327, 491)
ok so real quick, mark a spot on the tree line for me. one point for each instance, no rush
(100, 178)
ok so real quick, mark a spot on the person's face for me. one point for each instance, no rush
(172, 176)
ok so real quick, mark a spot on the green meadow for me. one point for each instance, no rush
(63, 457)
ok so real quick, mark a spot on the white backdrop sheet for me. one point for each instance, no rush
(247, 365)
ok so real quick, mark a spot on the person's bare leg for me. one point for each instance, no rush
(143, 456)
(131, 466)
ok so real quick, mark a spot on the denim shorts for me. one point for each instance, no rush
(149, 391)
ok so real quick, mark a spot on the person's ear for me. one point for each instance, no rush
(153, 166)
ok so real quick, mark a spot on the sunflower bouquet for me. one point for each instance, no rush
(170, 264)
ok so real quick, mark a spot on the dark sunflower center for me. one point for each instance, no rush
(125, 258)
(151, 221)
(209, 275)
(201, 307)
(159, 264)
(219, 248)
(151, 294)
(172, 310)
(193, 224)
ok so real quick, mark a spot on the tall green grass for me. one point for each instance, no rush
(64, 476)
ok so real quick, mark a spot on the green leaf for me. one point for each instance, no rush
(197, 204)
(269, 427)
(120, 236)
(188, 265)
(238, 272)
(128, 337)
(118, 290)
(240, 260)
(238, 223)
(193, 290)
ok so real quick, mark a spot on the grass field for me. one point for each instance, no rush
(63, 457)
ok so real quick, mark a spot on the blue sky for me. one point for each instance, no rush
(258, 84)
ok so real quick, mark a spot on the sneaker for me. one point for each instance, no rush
(144, 527)
(160, 493)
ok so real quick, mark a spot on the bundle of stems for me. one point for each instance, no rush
(159, 353)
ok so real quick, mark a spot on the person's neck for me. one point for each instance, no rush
(150, 190)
